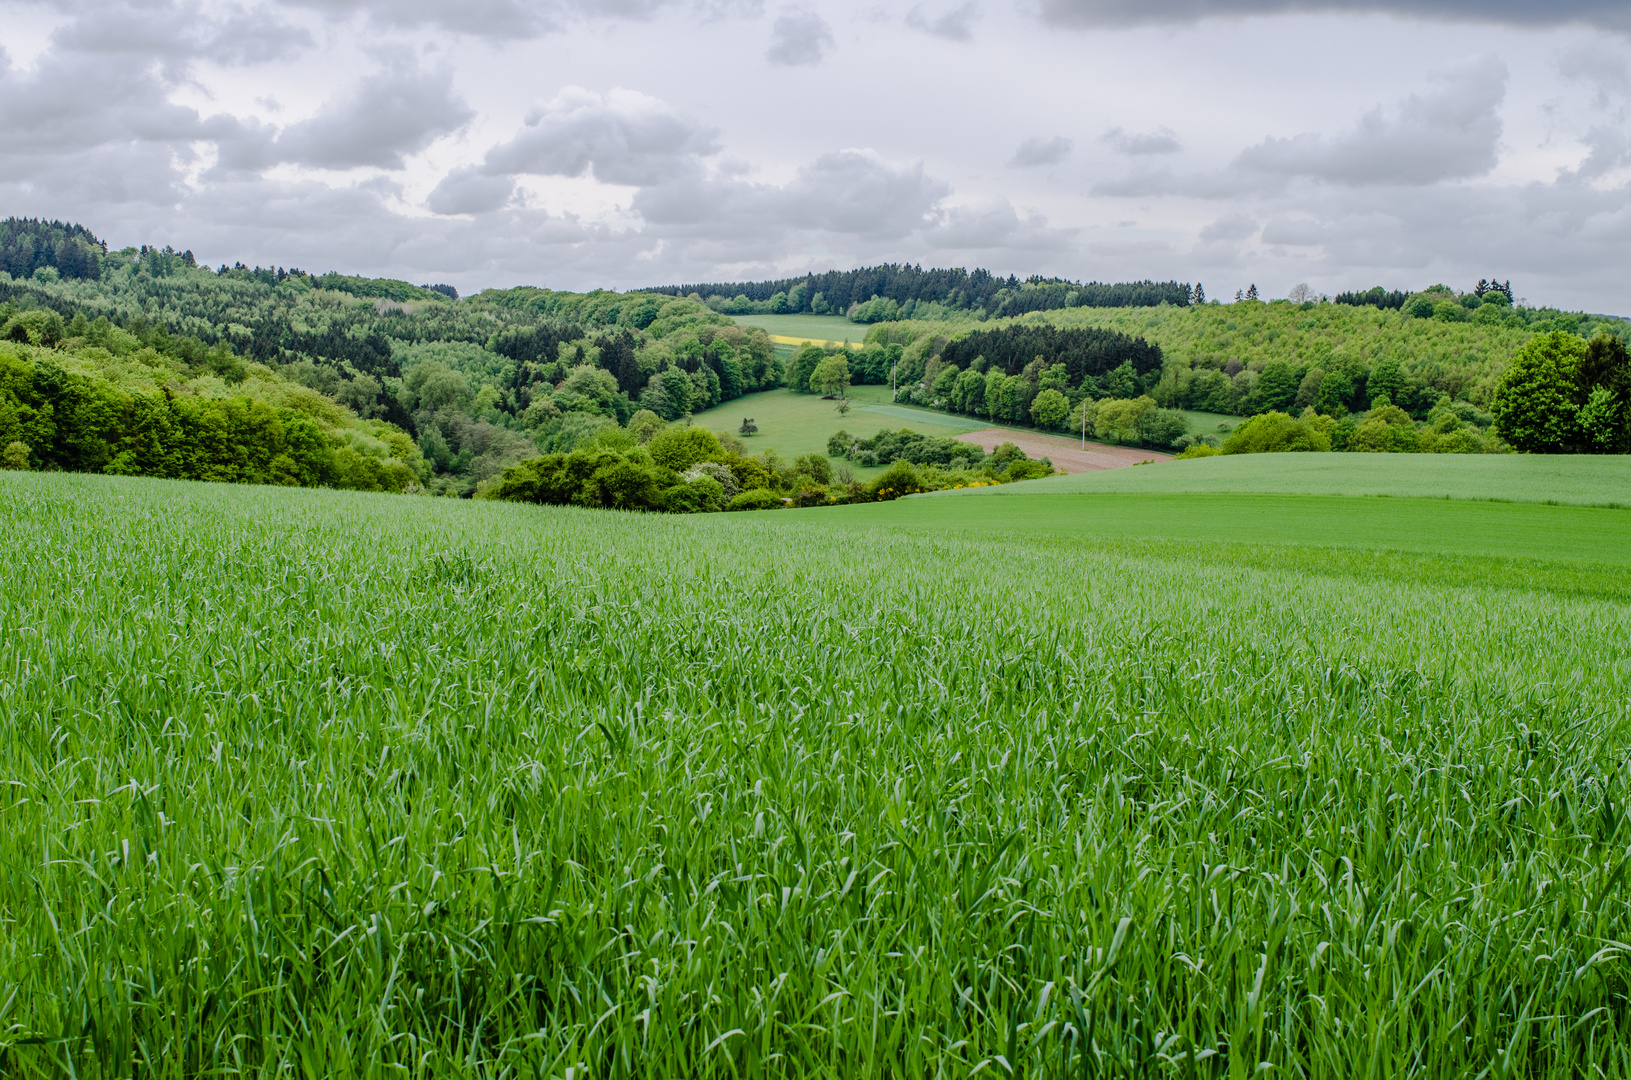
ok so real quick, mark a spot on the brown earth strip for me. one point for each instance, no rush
(1066, 454)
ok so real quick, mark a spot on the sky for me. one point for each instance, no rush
(577, 144)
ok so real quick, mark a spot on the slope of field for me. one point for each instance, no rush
(337, 784)
(795, 424)
(792, 329)
(1068, 455)
(1585, 480)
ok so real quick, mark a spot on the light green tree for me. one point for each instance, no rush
(831, 376)
(1533, 406)
(1050, 408)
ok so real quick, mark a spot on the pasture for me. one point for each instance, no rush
(794, 424)
(303, 782)
(793, 329)
(1586, 480)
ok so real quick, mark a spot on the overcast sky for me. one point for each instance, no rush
(619, 143)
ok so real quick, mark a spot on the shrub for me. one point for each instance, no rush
(815, 467)
(1027, 470)
(897, 480)
(1198, 450)
(703, 495)
(1276, 433)
(679, 448)
(15, 455)
(839, 443)
(756, 499)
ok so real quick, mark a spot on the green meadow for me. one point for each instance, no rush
(320, 783)
(1590, 480)
(807, 327)
(795, 424)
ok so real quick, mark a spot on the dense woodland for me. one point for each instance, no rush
(475, 385)
(885, 293)
(1438, 354)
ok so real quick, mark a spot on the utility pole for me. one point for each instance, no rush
(1084, 423)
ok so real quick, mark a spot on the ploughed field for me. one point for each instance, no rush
(320, 783)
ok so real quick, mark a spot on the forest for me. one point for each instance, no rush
(474, 385)
(893, 291)
(1436, 360)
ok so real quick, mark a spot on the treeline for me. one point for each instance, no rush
(74, 405)
(1033, 374)
(476, 384)
(894, 291)
(1560, 395)
(29, 245)
(1396, 299)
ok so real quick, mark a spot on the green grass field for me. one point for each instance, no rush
(807, 327)
(1579, 480)
(303, 782)
(794, 424)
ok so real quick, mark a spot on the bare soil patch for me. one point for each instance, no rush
(1066, 454)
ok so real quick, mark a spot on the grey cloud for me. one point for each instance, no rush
(801, 38)
(1039, 151)
(384, 118)
(1231, 227)
(1607, 14)
(622, 137)
(856, 191)
(954, 25)
(1141, 144)
(1451, 132)
(468, 191)
(177, 33)
(1598, 66)
(997, 228)
(498, 19)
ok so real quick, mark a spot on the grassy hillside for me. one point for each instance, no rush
(1588, 480)
(796, 328)
(346, 784)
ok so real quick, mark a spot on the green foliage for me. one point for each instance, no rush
(1049, 409)
(30, 246)
(756, 499)
(880, 293)
(91, 412)
(887, 447)
(1534, 407)
(1278, 433)
(679, 448)
(831, 376)
(16, 455)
